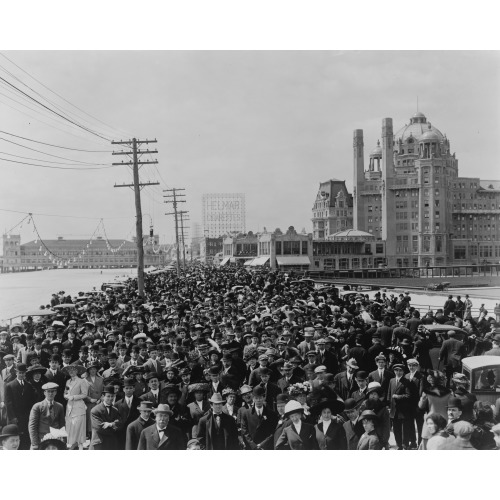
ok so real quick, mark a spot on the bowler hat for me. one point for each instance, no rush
(368, 414)
(150, 375)
(22, 368)
(282, 398)
(214, 370)
(108, 389)
(171, 389)
(10, 430)
(259, 391)
(350, 404)
(127, 381)
(455, 403)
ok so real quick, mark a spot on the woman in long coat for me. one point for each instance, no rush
(75, 392)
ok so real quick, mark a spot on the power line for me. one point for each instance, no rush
(58, 95)
(49, 154)
(64, 216)
(55, 112)
(56, 146)
(59, 168)
(50, 161)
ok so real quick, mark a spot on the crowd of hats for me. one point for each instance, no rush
(213, 314)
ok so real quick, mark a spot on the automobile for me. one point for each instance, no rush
(441, 332)
(483, 373)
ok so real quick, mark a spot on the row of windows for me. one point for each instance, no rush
(460, 251)
(476, 217)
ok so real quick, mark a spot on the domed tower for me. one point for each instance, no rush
(374, 171)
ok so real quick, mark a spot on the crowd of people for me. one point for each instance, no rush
(230, 359)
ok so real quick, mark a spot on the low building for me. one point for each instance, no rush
(76, 254)
(209, 248)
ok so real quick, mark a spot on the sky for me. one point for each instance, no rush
(270, 124)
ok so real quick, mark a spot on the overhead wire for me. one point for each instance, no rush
(58, 168)
(64, 216)
(61, 97)
(107, 139)
(50, 161)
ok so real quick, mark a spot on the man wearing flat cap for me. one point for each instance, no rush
(162, 435)
(19, 398)
(45, 414)
(259, 423)
(105, 422)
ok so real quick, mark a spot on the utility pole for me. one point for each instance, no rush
(175, 200)
(183, 214)
(137, 186)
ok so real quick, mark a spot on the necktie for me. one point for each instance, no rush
(217, 421)
(129, 403)
(108, 408)
(51, 410)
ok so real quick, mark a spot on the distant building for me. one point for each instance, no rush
(413, 198)
(209, 248)
(64, 253)
(332, 210)
(223, 213)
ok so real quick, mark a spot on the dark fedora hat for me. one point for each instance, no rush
(368, 414)
(350, 404)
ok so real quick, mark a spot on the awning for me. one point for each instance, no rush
(249, 262)
(260, 261)
(225, 260)
(293, 260)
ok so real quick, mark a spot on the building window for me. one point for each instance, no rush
(459, 252)
(426, 244)
(379, 248)
(278, 248)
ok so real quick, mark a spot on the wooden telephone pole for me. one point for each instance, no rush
(175, 200)
(137, 186)
(184, 218)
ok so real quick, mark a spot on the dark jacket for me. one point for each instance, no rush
(104, 439)
(228, 434)
(134, 432)
(173, 439)
(290, 440)
(334, 439)
(259, 430)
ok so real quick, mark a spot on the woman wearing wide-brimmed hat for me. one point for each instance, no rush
(369, 440)
(329, 434)
(35, 376)
(298, 435)
(49, 442)
(75, 393)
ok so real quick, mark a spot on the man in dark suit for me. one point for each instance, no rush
(45, 414)
(415, 378)
(345, 382)
(216, 386)
(19, 398)
(259, 423)
(381, 375)
(254, 378)
(55, 375)
(37, 356)
(399, 396)
(162, 435)
(451, 353)
(288, 378)
(136, 427)
(326, 358)
(73, 344)
(216, 430)
(307, 344)
(154, 395)
(271, 390)
(128, 410)
(105, 422)
(298, 435)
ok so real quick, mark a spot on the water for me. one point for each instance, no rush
(21, 292)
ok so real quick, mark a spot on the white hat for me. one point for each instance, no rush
(320, 369)
(141, 335)
(293, 407)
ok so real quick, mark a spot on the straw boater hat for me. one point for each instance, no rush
(198, 387)
(80, 369)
